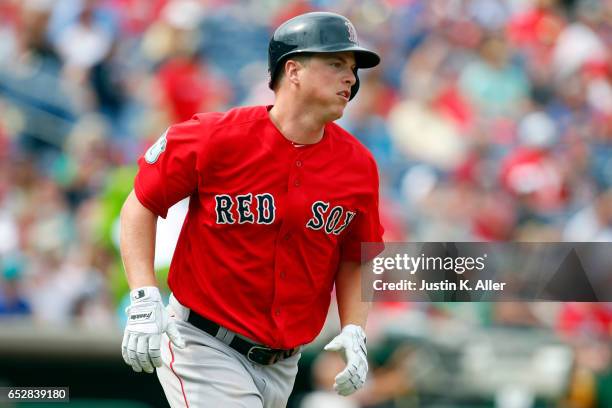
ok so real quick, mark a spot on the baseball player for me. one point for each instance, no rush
(281, 199)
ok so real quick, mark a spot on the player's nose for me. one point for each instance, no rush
(352, 79)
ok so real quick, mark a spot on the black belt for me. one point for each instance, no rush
(256, 353)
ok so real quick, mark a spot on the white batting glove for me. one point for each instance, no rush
(351, 342)
(147, 319)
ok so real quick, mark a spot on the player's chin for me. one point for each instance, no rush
(337, 110)
(335, 114)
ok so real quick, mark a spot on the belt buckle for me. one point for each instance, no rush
(261, 355)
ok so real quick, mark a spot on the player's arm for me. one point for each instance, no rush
(137, 242)
(351, 342)
(147, 318)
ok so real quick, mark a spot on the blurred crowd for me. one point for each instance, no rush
(490, 120)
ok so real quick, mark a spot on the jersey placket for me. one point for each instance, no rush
(286, 242)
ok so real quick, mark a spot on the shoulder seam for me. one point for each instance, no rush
(245, 122)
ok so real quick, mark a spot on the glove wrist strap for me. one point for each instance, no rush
(353, 328)
(145, 293)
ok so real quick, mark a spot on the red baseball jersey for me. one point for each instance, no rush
(268, 223)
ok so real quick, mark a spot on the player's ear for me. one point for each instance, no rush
(292, 70)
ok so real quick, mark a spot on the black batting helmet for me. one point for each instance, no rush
(317, 32)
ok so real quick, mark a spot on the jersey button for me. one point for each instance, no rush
(277, 312)
(298, 163)
(296, 183)
(282, 275)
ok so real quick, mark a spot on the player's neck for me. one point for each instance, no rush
(295, 125)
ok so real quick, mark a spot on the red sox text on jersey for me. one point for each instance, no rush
(268, 222)
(266, 212)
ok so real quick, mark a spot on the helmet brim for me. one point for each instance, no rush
(364, 58)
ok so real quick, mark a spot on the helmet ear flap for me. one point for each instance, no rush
(355, 87)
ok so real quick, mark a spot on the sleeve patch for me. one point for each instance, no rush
(153, 153)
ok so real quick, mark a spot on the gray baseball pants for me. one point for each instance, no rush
(209, 373)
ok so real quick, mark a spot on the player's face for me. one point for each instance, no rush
(327, 82)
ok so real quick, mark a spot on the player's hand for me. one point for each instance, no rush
(351, 342)
(147, 319)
